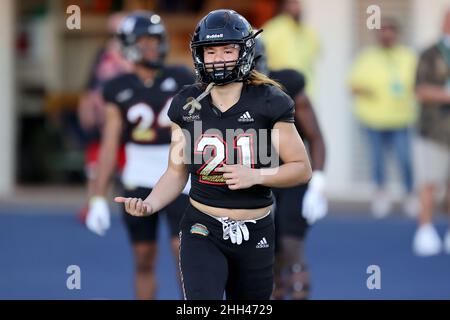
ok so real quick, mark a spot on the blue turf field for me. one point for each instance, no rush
(36, 249)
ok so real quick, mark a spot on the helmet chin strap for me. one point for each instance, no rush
(230, 81)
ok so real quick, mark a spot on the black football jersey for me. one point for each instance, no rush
(293, 83)
(144, 108)
(241, 135)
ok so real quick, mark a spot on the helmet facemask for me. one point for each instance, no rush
(225, 72)
(141, 25)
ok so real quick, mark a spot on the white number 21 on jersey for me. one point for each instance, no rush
(243, 144)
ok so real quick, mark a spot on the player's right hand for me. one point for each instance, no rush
(136, 207)
(98, 219)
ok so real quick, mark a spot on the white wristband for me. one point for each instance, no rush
(97, 200)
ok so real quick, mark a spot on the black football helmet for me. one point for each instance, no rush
(222, 27)
(137, 25)
(261, 57)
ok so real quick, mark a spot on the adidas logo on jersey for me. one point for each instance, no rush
(246, 117)
(262, 244)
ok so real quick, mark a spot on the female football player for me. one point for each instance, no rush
(224, 140)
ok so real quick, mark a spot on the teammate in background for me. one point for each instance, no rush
(108, 64)
(227, 232)
(136, 109)
(299, 207)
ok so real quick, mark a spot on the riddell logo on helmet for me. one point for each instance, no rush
(214, 36)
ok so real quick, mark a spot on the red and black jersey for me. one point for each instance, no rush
(144, 107)
(241, 135)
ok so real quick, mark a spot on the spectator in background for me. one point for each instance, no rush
(290, 44)
(382, 82)
(109, 63)
(433, 148)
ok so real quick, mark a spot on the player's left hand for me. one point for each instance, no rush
(239, 176)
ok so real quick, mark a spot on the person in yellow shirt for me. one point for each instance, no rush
(290, 44)
(382, 82)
